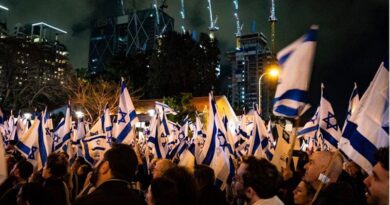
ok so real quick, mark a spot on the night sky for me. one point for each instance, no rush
(353, 35)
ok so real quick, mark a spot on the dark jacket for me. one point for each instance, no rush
(212, 195)
(112, 192)
(55, 190)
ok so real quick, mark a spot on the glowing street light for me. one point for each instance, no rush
(273, 71)
(79, 114)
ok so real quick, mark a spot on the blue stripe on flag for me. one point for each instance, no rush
(307, 130)
(311, 35)
(256, 143)
(94, 137)
(132, 115)
(42, 147)
(329, 137)
(25, 149)
(293, 94)
(126, 130)
(360, 143)
(86, 153)
(66, 138)
(98, 148)
(284, 58)
(288, 111)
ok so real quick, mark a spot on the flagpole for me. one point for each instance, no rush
(294, 138)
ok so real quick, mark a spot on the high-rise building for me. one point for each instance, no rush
(247, 65)
(123, 35)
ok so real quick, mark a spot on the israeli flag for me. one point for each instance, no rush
(93, 148)
(107, 124)
(213, 153)
(258, 141)
(296, 61)
(353, 103)
(158, 138)
(62, 134)
(126, 118)
(311, 127)
(35, 145)
(368, 128)
(328, 124)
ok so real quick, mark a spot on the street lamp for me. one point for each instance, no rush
(273, 71)
(79, 114)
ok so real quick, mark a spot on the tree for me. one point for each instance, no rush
(181, 64)
(181, 104)
(92, 96)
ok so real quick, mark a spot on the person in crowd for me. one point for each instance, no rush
(31, 194)
(303, 193)
(208, 192)
(186, 184)
(21, 172)
(82, 173)
(162, 191)
(162, 165)
(53, 173)
(337, 193)
(318, 164)
(378, 182)
(257, 182)
(112, 178)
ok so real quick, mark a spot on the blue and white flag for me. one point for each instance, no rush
(310, 129)
(93, 148)
(353, 103)
(213, 153)
(62, 134)
(35, 145)
(296, 61)
(126, 118)
(258, 142)
(158, 138)
(368, 128)
(328, 124)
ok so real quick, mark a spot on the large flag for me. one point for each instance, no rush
(107, 124)
(126, 118)
(213, 153)
(296, 61)
(328, 124)
(258, 139)
(93, 148)
(35, 145)
(368, 128)
(62, 134)
(158, 139)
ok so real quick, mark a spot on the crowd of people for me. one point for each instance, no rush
(121, 177)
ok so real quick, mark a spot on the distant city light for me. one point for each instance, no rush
(50, 26)
(151, 112)
(3, 7)
(27, 115)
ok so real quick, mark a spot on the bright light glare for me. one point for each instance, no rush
(274, 72)
(151, 112)
(79, 114)
(27, 115)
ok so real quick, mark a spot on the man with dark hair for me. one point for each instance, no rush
(112, 178)
(55, 188)
(31, 194)
(208, 192)
(378, 183)
(21, 172)
(257, 182)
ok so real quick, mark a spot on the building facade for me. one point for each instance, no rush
(125, 34)
(248, 63)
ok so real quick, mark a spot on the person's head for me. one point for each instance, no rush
(185, 182)
(83, 170)
(303, 193)
(204, 175)
(339, 193)
(31, 194)
(162, 191)
(318, 163)
(56, 166)
(79, 161)
(256, 179)
(161, 167)
(22, 170)
(119, 162)
(377, 184)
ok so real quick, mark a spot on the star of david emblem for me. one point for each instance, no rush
(32, 152)
(122, 117)
(56, 138)
(328, 120)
